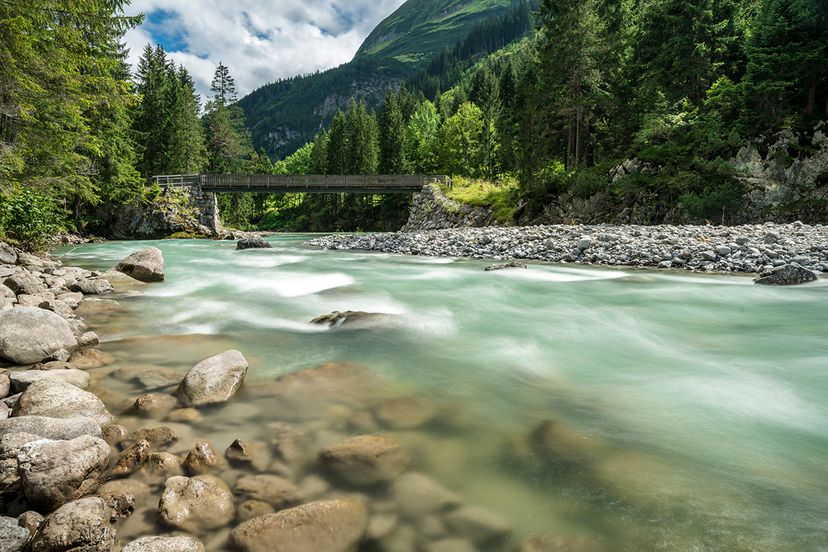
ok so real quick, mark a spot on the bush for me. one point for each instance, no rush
(500, 195)
(29, 218)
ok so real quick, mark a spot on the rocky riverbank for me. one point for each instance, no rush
(98, 458)
(718, 249)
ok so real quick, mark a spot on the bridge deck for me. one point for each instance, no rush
(326, 184)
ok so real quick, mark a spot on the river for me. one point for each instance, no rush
(624, 410)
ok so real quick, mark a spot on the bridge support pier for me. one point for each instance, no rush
(206, 204)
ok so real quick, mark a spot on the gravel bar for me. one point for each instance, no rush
(719, 249)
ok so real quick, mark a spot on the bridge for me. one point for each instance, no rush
(321, 184)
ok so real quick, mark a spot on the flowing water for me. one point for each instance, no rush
(620, 409)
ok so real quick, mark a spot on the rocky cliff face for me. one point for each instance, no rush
(431, 210)
(175, 211)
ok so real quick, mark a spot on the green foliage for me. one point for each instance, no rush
(461, 135)
(421, 138)
(500, 195)
(29, 218)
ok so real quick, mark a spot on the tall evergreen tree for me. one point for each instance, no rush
(338, 145)
(391, 130)
(363, 144)
(223, 86)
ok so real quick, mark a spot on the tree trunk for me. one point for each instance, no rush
(812, 90)
(578, 117)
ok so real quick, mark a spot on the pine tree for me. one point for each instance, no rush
(392, 130)
(319, 157)
(485, 93)
(362, 140)
(223, 86)
(337, 145)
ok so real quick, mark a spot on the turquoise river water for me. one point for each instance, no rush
(624, 410)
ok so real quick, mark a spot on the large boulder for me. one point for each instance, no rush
(29, 335)
(365, 460)
(51, 428)
(164, 544)
(22, 379)
(10, 446)
(92, 286)
(25, 283)
(146, 265)
(253, 243)
(58, 399)
(7, 254)
(55, 472)
(13, 537)
(324, 526)
(214, 380)
(196, 504)
(87, 525)
(787, 275)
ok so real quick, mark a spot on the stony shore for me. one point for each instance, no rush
(716, 249)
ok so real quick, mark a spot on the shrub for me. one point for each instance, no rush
(29, 218)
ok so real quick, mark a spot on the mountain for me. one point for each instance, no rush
(284, 115)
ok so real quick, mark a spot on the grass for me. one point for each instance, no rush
(500, 195)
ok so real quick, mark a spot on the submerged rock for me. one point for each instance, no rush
(164, 544)
(87, 525)
(202, 459)
(324, 526)
(132, 459)
(478, 524)
(365, 460)
(417, 496)
(214, 380)
(253, 243)
(513, 264)
(353, 319)
(146, 265)
(558, 543)
(788, 275)
(54, 472)
(29, 335)
(196, 504)
(272, 489)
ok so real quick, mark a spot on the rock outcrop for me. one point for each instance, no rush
(788, 275)
(432, 210)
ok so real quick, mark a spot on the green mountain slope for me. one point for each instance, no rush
(284, 115)
(421, 28)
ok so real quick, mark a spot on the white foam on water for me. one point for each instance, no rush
(298, 284)
(267, 261)
(560, 275)
(438, 322)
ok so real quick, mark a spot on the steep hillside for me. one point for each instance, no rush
(284, 115)
(421, 28)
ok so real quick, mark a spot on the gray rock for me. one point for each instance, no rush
(51, 428)
(24, 282)
(584, 244)
(31, 520)
(478, 524)
(787, 275)
(214, 380)
(324, 526)
(146, 265)
(87, 525)
(164, 544)
(57, 399)
(92, 286)
(196, 504)
(417, 496)
(7, 254)
(13, 537)
(89, 339)
(365, 460)
(513, 264)
(253, 243)
(5, 384)
(353, 319)
(30, 335)
(723, 250)
(6, 292)
(10, 446)
(21, 379)
(55, 472)
(277, 491)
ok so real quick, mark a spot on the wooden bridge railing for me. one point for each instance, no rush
(268, 183)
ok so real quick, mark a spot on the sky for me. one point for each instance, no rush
(259, 40)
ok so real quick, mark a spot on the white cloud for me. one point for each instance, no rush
(259, 40)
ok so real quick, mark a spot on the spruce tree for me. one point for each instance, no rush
(223, 86)
(337, 145)
(392, 130)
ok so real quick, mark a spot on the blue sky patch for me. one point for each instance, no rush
(167, 30)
